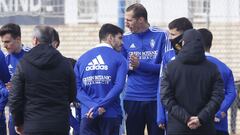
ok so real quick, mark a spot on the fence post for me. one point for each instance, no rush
(121, 11)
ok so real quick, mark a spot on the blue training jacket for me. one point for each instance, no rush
(100, 75)
(4, 73)
(4, 78)
(149, 46)
(230, 92)
(161, 114)
(11, 61)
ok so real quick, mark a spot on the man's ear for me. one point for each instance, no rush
(18, 39)
(141, 19)
(109, 37)
(34, 41)
(55, 44)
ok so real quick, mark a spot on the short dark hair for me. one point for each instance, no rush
(11, 28)
(181, 24)
(44, 34)
(107, 29)
(207, 38)
(138, 10)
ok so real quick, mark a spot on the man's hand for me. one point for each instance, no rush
(134, 61)
(162, 126)
(9, 85)
(101, 111)
(216, 119)
(90, 113)
(19, 130)
(193, 122)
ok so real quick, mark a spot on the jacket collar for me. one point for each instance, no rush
(207, 54)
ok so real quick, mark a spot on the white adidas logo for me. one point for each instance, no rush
(132, 46)
(97, 64)
(10, 66)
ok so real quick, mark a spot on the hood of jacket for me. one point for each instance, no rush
(43, 56)
(192, 51)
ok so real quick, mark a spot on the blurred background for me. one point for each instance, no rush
(78, 22)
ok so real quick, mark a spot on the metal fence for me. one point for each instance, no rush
(234, 120)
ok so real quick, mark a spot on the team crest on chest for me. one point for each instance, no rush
(152, 43)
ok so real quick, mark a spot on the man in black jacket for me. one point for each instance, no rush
(191, 89)
(43, 87)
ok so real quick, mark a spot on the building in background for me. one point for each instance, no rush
(29, 12)
(160, 11)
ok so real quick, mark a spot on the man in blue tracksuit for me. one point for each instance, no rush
(221, 121)
(143, 47)
(100, 75)
(11, 39)
(4, 78)
(176, 29)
